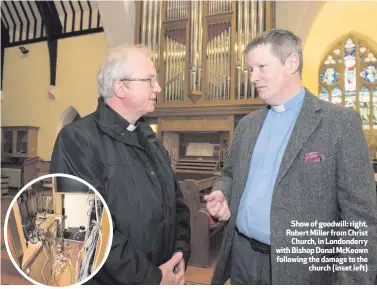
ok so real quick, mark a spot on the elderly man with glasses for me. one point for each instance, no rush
(118, 153)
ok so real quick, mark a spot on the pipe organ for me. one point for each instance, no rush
(198, 50)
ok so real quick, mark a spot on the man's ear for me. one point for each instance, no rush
(120, 89)
(293, 63)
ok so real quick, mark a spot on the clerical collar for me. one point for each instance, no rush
(131, 127)
(278, 108)
(292, 102)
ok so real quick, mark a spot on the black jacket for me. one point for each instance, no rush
(132, 171)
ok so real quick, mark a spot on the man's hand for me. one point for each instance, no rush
(181, 268)
(167, 269)
(217, 205)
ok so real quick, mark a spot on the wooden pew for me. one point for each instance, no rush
(201, 229)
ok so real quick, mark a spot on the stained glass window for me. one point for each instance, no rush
(336, 96)
(348, 76)
(364, 106)
(324, 94)
(374, 101)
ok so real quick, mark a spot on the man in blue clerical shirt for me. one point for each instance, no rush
(292, 165)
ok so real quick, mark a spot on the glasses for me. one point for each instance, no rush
(152, 80)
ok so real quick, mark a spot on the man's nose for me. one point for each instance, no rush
(157, 88)
(254, 77)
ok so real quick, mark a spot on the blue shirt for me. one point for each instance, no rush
(253, 218)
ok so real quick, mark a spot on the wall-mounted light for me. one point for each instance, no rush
(52, 92)
(24, 50)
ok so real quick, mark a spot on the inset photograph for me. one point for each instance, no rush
(58, 231)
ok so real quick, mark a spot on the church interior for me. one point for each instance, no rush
(58, 231)
(51, 52)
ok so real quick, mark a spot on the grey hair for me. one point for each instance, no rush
(283, 44)
(115, 67)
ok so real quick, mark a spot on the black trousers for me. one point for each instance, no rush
(249, 267)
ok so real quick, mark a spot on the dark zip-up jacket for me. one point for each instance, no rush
(132, 171)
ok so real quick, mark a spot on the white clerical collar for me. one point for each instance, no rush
(131, 127)
(278, 108)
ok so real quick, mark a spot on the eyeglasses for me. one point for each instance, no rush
(152, 80)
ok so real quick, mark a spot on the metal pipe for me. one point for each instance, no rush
(179, 74)
(246, 80)
(212, 67)
(261, 16)
(223, 77)
(175, 58)
(209, 66)
(166, 84)
(192, 49)
(180, 71)
(143, 20)
(169, 10)
(149, 32)
(214, 63)
(179, 9)
(176, 74)
(229, 49)
(176, 10)
(158, 36)
(183, 70)
(253, 19)
(217, 65)
(200, 47)
(167, 67)
(179, 79)
(238, 50)
(247, 39)
(222, 65)
(155, 38)
(170, 69)
(197, 43)
(179, 64)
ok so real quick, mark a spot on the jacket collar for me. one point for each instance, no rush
(308, 119)
(115, 125)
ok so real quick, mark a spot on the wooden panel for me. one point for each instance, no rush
(58, 204)
(171, 140)
(38, 266)
(102, 243)
(32, 143)
(17, 218)
(196, 124)
(11, 246)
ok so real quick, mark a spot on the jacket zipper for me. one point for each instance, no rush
(166, 229)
